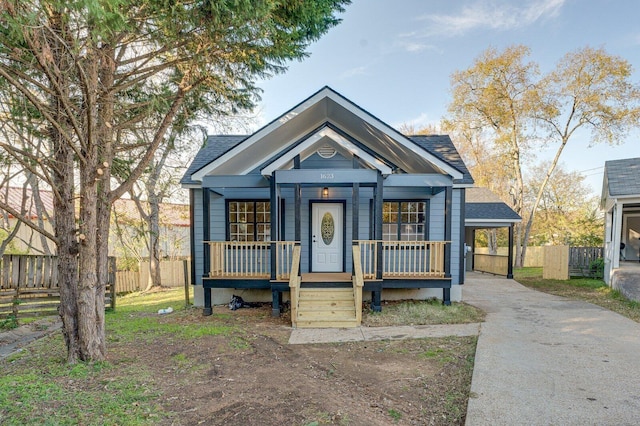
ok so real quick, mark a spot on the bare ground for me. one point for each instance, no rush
(260, 379)
(254, 377)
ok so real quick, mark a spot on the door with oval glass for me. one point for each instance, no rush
(327, 237)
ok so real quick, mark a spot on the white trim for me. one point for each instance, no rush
(325, 131)
(349, 106)
(472, 222)
(397, 136)
(259, 135)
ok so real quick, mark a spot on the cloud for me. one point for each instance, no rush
(362, 70)
(413, 46)
(496, 15)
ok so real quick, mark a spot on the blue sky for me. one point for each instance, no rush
(394, 57)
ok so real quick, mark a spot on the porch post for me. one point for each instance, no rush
(461, 251)
(448, 220)
(355, 211)
(376, 296)
(510, 255)
(298, 201)
(276, 295)
(206, 235)
(473, 250)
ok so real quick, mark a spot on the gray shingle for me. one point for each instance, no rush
(482, 203)
(623, 176)
(443, 148)
(215, 146)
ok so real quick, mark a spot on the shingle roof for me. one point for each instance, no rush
(623, 176)
(442, 147)
(482, 204)
(215, 147)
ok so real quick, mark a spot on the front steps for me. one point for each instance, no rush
(326, 308)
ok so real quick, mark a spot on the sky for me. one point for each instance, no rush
(394, 58)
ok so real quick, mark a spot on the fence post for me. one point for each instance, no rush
(186, 283)
(112, 281)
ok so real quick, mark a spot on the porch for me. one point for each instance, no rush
(327, 299)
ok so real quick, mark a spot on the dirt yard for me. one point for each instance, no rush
(258, 379)
(252, 376)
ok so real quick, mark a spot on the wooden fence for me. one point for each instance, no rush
(562, 262)
(534, 257)
(491, 263)
(29, 286)
(582, 261)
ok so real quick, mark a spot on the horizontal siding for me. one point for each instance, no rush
(336, 162)
(198, 215)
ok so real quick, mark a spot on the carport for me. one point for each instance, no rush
(485, 210)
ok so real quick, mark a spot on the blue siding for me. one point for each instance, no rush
(336, 162)
(197, 223)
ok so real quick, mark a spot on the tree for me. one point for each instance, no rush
(567, 213)
(503, 98)
(93, 70)
(493, 100)
(588, 89)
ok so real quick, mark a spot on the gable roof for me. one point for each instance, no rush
(622, 177)
(324, 107)
(484, 208)
(442, 147)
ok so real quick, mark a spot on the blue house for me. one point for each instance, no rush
(323, 204)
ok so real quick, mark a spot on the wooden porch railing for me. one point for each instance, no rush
(358, 282)
(250, 259)
(294, 284)
(403, 259)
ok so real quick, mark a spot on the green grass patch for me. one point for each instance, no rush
(422, 312)
(39, 388)
(590, 290)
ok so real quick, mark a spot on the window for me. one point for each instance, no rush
(249, 220)
(403, 220)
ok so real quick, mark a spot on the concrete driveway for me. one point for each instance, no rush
(545, 360)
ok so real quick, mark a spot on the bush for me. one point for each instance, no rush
(596, 268)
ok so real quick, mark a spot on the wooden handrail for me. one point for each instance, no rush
(403, 259)
(249, 259)
(294, 284)
(358, 282)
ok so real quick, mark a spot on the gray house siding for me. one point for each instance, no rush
(198, 237)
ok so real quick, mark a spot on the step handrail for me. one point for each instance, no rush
(294, 284)
(358, 282)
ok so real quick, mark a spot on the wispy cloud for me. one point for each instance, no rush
(497, 15)
(362, 70)
(413, 46)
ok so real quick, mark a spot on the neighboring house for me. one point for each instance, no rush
(174, 225)
(327, 180)
(621, 203)
(485, 210)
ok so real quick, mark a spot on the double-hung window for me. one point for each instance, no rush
(404, 220)
(249, 220)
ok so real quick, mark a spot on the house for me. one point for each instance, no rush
(485, 210)
(324, 203)
(621, 203)
(125, 227)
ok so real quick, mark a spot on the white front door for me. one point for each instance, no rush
(327, 237)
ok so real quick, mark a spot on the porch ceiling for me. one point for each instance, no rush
(326, 106)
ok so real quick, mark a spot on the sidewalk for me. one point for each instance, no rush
(327, 335)
(546, 360)
(13, 340)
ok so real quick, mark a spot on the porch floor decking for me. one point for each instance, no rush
(323, 277)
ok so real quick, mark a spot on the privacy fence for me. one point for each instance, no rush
(29, 286)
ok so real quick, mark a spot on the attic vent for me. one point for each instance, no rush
(327, 151)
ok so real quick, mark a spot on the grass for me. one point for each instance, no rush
(38, 386)
(589, 290)
(422, 312)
